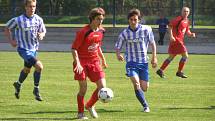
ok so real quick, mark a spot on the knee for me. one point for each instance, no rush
(136, 86)
(145, 88)
(82, 92)
(39, 66)
(26, 70)
(184, 58)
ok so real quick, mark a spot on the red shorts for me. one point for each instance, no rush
(91, 69)
(177, 47)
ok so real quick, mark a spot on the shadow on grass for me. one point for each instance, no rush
(57, 112)
(62, 112)
(21, 119)
(204, 108)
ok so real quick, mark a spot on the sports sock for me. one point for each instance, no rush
(165, 64)
(36, 78)
(22, 77)
(93, 99)
(140, 96)
(181, 64)
(80, 100)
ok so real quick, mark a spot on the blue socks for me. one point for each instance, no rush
(36, 78)
(140, 96)
(22, 77)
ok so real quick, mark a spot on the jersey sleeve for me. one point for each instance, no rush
(78, 40)
(11, 24)
(42, 27)
(120, 42)
(151, 35)
(174, 22)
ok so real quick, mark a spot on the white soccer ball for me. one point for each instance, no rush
(105, 95)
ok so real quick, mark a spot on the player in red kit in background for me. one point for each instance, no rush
(177, 29)
(86, 51)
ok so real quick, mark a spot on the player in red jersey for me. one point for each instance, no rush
(177, 29)
(86, 51)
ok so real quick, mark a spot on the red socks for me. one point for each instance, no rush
(80, 100)
(165, 64)
(93, 99)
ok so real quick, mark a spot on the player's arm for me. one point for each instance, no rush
(102, 57)
(189, 33)
(10, 39)
(118, 55)
(170, 29)
(154, 60)
(78, 67)
(42, 31)
(41, 35)
(118, 47)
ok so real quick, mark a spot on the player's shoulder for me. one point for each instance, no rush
(84, 29)
(38, 17)
(177, 18)
(146, 27)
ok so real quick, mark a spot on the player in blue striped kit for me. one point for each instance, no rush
(24, 32)
(136, 38)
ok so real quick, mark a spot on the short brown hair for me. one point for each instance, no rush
(95, 12)
(28, 1)
(133, 12)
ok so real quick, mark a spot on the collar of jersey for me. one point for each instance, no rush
(138, 26)
(28, 16)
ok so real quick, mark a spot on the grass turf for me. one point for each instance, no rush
(170, 99)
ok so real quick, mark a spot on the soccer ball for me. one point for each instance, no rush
(105, 95)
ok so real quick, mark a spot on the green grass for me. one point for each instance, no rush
(170, 99)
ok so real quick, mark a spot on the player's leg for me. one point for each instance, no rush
(37, 74)
(165, 64)
(144, 81)
(133, 73)
(162, 34)
(181, 64)
(138, 91)
(24, 72)
(17, 85)
(96, 75)
(94, 98)
(82, 90)
(80, 99)
(144, 86)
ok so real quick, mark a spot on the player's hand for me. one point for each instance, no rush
(78, 69)
(154, 62)
(40, 35)
(13, 43)
(104, 64)
(172, 39)
(120, 57)
(193, 35)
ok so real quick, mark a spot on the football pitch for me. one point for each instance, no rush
(170, 99)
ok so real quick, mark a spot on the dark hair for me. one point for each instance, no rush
(28, 1)
(133, 12)
(95, 12)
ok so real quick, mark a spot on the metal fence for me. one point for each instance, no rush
(203, 10)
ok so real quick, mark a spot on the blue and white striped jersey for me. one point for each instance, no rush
(136, 43)
(25, 30)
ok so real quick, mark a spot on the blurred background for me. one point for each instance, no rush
(76, 11)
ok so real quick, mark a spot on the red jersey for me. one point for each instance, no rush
(87, 42)
(179, 28)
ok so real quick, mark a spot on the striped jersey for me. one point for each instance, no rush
(136, 43)
(25, 30)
